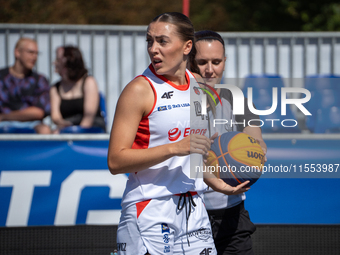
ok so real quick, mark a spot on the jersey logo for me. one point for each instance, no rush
(197, 91)
(162, 108)
(167, 249)
(206, 251)
(174, 134)
(165, 228)
(168, 95)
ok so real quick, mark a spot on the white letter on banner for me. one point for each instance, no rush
(238, 97)
(23, 183)
(262, 112)
(71, 188)
(297, 101)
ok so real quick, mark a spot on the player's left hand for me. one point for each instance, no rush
(220, 186)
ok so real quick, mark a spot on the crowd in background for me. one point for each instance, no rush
(26, 98)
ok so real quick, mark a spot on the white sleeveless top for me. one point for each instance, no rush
(168, 122)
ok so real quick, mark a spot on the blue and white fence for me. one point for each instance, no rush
(116, 54)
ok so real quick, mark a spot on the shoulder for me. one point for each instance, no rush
(225, 93)
(4, 72)
(137, 96)
(54, 90)
(89, 85)
(90, 81)
(90, 78)
(37, 75)
(40, 78)
(139, 86)
(198, 78)
(55, 86)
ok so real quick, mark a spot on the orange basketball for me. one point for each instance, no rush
(236, 157)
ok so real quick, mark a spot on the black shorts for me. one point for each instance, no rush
(232, 230)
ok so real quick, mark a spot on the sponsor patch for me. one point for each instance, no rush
(202, 234)
(166, 249)
(166, 238)
(165, 228)
(162, 108)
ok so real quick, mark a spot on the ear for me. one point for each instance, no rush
(187, 47)
(225, 59)
(16, 53)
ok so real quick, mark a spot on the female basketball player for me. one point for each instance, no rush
(162, 208)
(230, 222)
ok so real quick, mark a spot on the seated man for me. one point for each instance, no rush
(24, 94)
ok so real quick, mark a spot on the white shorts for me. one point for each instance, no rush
(157, 226)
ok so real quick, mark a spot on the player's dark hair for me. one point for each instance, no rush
(209, 36)
(185, 31)
(74, 63)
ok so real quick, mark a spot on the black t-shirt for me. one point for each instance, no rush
(74, 106)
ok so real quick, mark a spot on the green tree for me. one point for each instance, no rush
(219, 15)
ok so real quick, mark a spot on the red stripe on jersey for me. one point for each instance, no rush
(140, 206)
(142, 138)
(179, 87)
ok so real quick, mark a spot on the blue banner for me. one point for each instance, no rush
(68, 183)
(58, 183)
(307, 195)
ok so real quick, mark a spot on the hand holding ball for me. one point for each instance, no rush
(236, 157)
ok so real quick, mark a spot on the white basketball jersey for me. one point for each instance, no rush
(168, 122)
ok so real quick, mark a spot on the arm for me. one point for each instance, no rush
(56, 116)
(220, 186)
(30, 113)
(91, 102)
(129, 112)
(41, 96)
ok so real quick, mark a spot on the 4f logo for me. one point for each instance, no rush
(206, 251)
(168, 95)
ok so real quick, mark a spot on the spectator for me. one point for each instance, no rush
(75, 98)
(24, 94)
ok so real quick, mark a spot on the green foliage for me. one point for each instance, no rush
(219, 15)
